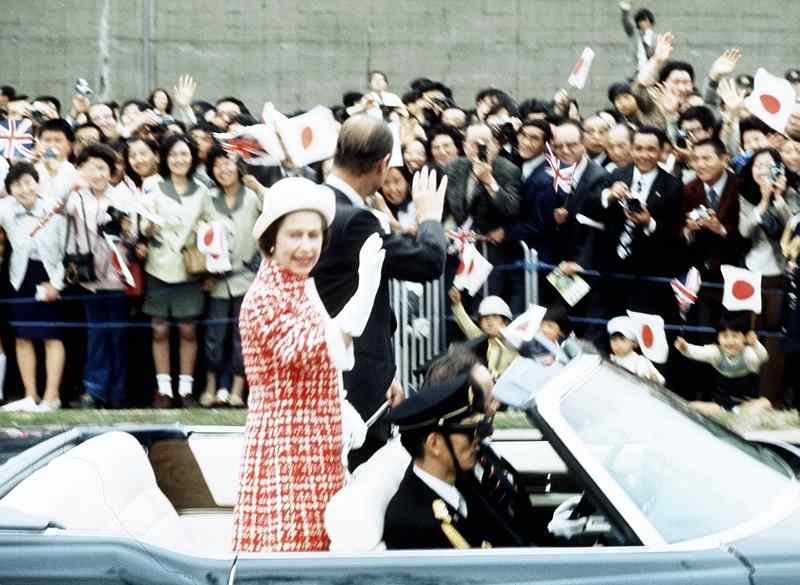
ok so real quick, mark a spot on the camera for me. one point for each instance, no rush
(699, 213)
(683, 139)
(775, 172)
(633, 205)
(50, 154)
(39, 112)
(483, 154)
(113, 227)
(82, 87)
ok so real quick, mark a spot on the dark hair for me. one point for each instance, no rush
(414, 441)
(201, 108)
(363, 142)
(419, 84)
(458, 361)
(644, 14)
(214, 153)
(57, 125)
(138, 103)
(716, 143)
(542, 125)
(8, 91)
(617, 89)
(410, 97)
(51, 99)
(750, 124)
(166, 146)
(671, 66)
(234, 100)
(738, 321)
(558, 314)
(491, 92)
(652, 131)
(151, 99)
(149, 143)
(90, 125)
(19, 170)
(748, 188)
(458, 139)
(245, 119)
(377, 72)
(702, 114)
(439, 86)
(267, 240)
(351, 98)
(97, 150)
(533, 106)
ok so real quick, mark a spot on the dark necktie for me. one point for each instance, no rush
(712, 198)
(626, 235)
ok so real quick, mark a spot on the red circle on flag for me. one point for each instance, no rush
(647, 336)
(208, 237)
(742, 290)
(578, 66)
(770, 103)
(307, 137)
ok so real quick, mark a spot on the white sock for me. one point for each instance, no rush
(2, 373)
(164, 384)
(185, 384)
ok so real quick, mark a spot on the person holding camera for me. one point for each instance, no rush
(98, 235)
(57, 176)
(36, 271)
(767, 204)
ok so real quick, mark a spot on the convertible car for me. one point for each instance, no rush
(626, 485)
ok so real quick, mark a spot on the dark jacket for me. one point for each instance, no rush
(487, 213)
(417, 259)
(574, 240)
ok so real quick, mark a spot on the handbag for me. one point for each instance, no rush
(194, 261)
(78, 267)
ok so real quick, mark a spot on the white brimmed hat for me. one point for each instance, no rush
(622, 325)
(494, 306)
(295, 194)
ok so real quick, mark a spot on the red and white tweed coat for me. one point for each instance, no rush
(292, 464)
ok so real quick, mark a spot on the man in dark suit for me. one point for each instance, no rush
(485, 187)
(641, 212)
(438, 503)
(361, 162)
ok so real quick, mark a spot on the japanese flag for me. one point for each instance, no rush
(524, 327)
(119, 261)
(772, 100)
(742, 289)
(310, 137)
(580, 73)
(650, 336)
(212, 240)
(473, 270)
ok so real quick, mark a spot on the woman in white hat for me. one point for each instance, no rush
(292, 460)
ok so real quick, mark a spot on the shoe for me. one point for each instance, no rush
(49, 405)
(223, 397)
(163, 401)
(87, 401)
(25, 405)
(188, 401)
(207, 399)
(236, 400)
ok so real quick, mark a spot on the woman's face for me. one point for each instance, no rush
(97, 174)
(443, 149)
(225, 172)
(298, 243)
(395, 187)
(160, 101)
(414, 156)
(129, 114)
(762, 166)
(179, 159)
(142, 160)
(790, 153)
(24, 190)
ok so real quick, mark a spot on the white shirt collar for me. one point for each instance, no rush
(449, 493)
(646, 179)
(344, 187)
(719, 186)
(531, 165)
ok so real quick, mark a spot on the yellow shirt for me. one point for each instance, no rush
(498, 355)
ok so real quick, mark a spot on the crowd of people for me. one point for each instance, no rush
(674, 173)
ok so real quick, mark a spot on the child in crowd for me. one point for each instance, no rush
(622, 339)
(493, 315)
(737, 356)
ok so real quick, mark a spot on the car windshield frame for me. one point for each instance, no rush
(547, 408)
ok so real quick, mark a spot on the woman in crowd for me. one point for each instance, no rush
(160, 100)
(444, 145)
(766, 205)
(36, 271)
(180, 203)
(414, 155)
(95, 225)
(292, 460)
(235, 209)
(396, 202)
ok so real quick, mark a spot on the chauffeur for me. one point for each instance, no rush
(438, 504)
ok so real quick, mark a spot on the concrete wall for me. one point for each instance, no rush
(302, 52)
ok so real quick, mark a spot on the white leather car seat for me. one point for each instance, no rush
(104, 484)
(354, 516)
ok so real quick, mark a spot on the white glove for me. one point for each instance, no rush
(352, 319)
(354, 429)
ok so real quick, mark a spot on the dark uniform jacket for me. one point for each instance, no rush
(410, 521)
(417, 259)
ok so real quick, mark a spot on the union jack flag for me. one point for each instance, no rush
(246, 145)
(16, 139)
(562, 177)
(460, 237)
(686, 290)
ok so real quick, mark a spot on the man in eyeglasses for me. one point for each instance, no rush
(438, 503)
